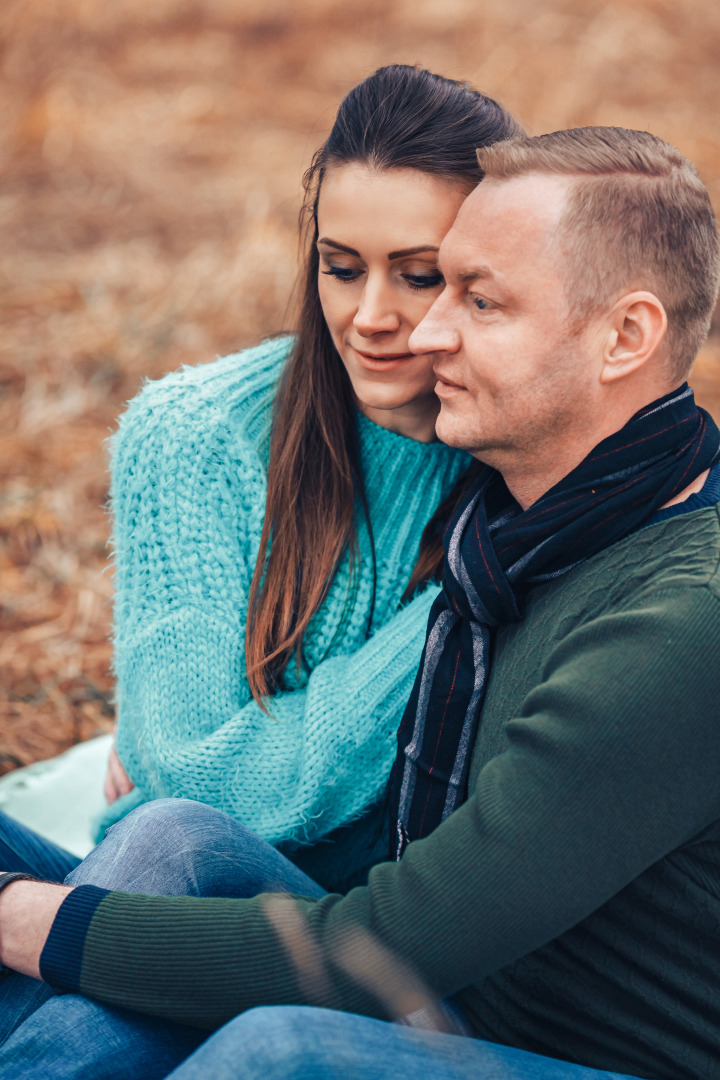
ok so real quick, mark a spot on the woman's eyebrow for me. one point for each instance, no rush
(412, 251)
(392, 255)
(341, 247)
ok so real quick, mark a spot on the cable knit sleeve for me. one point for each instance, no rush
(188, 502)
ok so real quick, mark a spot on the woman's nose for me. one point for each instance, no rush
(376, 312)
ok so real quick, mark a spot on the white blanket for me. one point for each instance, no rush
(60, 798)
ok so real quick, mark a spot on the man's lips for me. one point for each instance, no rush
(444, 381)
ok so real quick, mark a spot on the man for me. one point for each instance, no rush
(555, 802)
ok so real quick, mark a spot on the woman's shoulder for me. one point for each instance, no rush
(232, 394)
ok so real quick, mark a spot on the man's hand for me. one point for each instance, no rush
(27, 912)
(117, 781)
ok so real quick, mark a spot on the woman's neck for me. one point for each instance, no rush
(416, 420)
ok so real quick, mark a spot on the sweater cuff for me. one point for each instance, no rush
(61, 958)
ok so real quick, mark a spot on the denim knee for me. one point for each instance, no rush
(153, 848)
(270, 1042)
(146, 820)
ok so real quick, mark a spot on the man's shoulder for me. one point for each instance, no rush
(680, 553)
(664, 579)
(622, 630)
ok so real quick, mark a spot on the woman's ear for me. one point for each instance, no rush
(637, 326)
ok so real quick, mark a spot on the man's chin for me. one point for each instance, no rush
(449, 429)
(461, 437)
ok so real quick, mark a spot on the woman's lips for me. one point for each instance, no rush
(382, 361)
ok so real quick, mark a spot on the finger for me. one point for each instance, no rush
(109, 789)
(111, 781)
(123, 783)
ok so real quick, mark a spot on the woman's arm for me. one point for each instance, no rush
(188, 497)
(317, 761)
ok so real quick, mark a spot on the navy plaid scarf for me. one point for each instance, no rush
(495, 551)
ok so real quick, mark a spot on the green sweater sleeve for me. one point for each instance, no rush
(611, 765)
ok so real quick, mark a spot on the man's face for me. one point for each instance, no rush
(513, 371)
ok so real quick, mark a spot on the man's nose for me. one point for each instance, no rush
(376, 312)
(435, 332)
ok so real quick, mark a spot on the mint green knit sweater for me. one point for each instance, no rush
(188, 499)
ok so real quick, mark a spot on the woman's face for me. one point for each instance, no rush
(378, 236)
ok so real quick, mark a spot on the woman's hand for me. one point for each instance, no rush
(117, 781)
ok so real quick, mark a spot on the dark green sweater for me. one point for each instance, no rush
(573, 902)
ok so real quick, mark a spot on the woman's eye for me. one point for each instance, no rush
(424, 281)
(342, 273)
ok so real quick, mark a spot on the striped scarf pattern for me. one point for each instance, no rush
(494, 552)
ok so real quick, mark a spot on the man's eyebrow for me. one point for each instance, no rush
(483, 272)
(341, 247)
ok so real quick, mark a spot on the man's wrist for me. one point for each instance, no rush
(6, 878)
(27, 911)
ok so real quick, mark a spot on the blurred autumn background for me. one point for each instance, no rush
(151, 161)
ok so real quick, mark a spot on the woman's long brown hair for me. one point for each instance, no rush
(400, 117)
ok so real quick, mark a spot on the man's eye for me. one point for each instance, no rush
(424, 281)
(342, 273)
(481, 304)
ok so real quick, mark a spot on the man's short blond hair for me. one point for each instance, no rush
(638, 217)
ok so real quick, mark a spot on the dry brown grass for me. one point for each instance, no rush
(151, 157)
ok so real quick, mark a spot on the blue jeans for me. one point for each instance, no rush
(172, 847)
(175, 847)
(298, 1043)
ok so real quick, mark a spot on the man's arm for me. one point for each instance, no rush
(27, 913)
(612, 765)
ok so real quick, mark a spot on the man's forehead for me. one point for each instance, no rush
(542, 195)
(503, 219)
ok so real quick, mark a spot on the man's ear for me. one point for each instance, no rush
(637, 325)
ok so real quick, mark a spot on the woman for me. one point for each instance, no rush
(274, 562)
(273, 578)
(269, 508)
